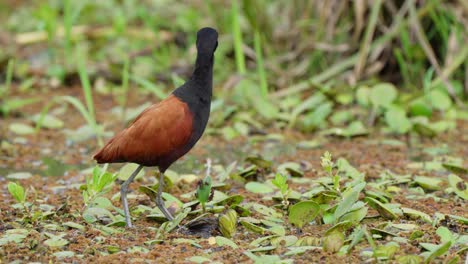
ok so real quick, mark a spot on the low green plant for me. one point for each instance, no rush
(386, 103)
(328, 165)
(280, 181)
(8, 104)
(87, 111)
(18, 192)
(204, 191)
(97, 184)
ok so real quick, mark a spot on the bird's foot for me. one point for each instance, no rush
(166, 213)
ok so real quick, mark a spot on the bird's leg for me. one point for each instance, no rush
(123, 195)
(159, 200)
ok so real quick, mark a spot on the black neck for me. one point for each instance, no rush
(203, 72)
(200, 85)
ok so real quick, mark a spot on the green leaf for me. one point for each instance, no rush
(428, 183)
(445, 234)
(230, 201)
(199, 259)
(455, 168)
(349, 198)
(409, 259)
(439, 251)
(257, 187)
(21, 129)
(228, 223)
(363, 95)
(17, 191)
(283, 240)
(308, 104)
(265, 108)
(14, 235)
(264, 210)
(93, 214)
(204, 191)
(317, 117)
(56, 242)
(303, 212)
(415, 214)
(397, 120)
(74, 225)
(333, 241)
(420, 107)
(222, 241)
(64, 254)
(252, 227)
(459, 186)
(354, 129)
(340, 227)
(383, 94)
(383, 209)
(348, 170)
(48, 121)
(299, 250)
(439, 100)
(355, 216)
(386, 252)
(280, 181)
(341, 117)
(128, 169)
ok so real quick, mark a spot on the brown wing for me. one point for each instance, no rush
(158, 131)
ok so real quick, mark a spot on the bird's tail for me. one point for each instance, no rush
(107, 154)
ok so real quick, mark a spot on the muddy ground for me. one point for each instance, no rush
(368, 154)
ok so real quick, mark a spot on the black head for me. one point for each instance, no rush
(207, 40)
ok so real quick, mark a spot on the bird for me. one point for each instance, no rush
(167, 130)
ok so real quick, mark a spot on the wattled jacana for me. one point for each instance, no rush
(166, 131)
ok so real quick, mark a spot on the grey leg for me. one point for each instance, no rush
(123, 195)
(159, 200)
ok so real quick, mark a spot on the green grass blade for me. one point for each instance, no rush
(237, 34)
(9, 75)
(260, 65)
(86, 86)
(79, 106)
(68, 23)
(43, 113)
(365, 45)
(149, 86)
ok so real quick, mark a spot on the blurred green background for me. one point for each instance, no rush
(307, 65)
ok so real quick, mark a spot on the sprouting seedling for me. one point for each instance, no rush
(326, 162)
(204, 187)
(17, 191)
(280, 181)
(97, 184)
(327, 165)
(19, 194)
(204, 191)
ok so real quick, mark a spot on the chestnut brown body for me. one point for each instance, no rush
(157, 137)
(166, 131)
